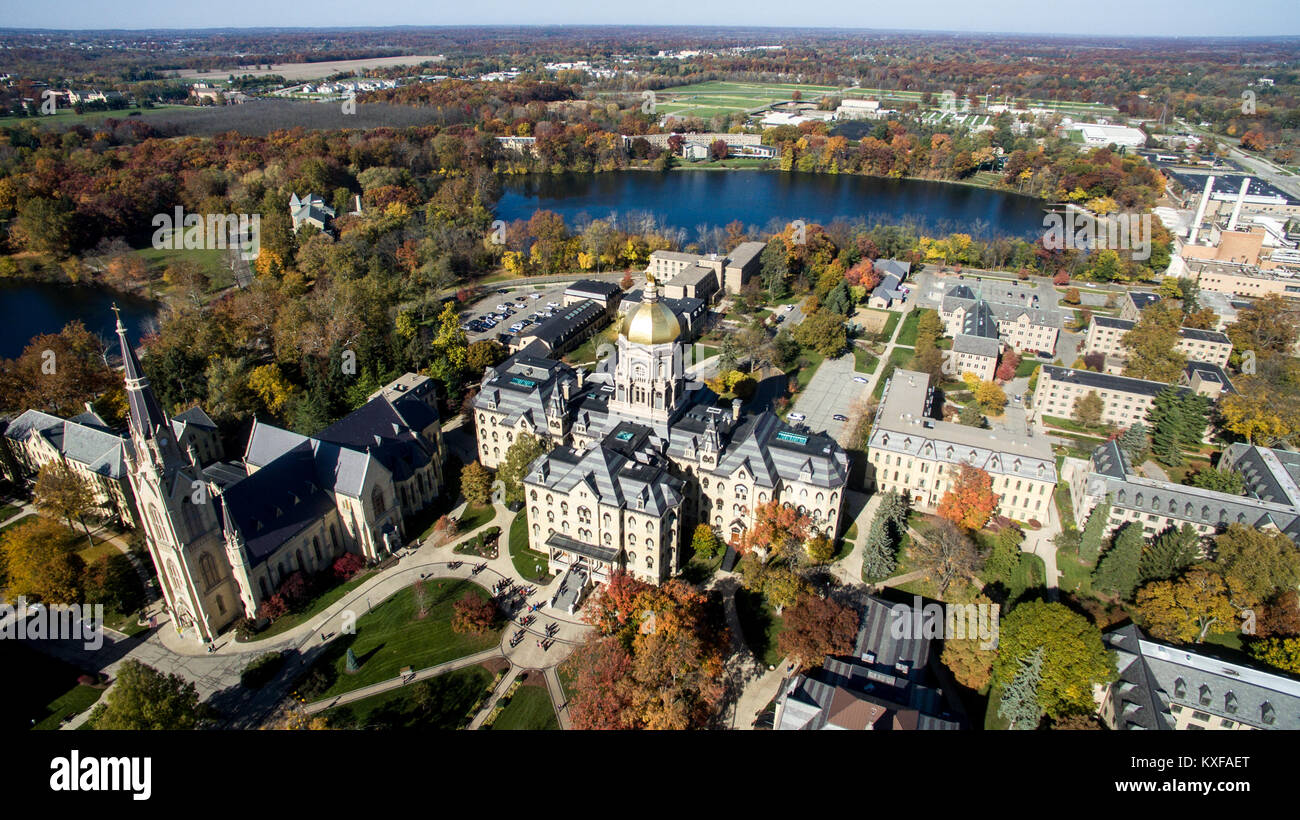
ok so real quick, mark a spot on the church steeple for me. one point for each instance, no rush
(146, 416)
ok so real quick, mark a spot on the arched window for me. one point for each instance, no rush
(221, 606)
(377, 500)
(208, 568)
(315, 545)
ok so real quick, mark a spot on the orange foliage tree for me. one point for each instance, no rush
(776, 530)
(654, 660)
(970, 501)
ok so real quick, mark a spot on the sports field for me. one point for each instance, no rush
(722, 97)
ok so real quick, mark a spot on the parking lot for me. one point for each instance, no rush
(526, 305)
(831, 392)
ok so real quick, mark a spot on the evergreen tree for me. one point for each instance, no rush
(1135, 443)
(1171, 552)
(1090, 540)
(879, 558)
(1167, 423)
(1194, 416)
(1118, 571)
(1020, 699)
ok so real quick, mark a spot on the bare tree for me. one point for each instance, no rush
(945, 553)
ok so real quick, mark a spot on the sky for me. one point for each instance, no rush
(1193, 18)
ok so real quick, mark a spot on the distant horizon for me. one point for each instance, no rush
(1157, 19)
(676, 26)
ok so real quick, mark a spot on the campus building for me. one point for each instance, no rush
(1105, 335)
(1021, 324)
(1270, 499)
(886, 685)
(637, 454)
(918, 456)
(1175, 687)
(1125, 401)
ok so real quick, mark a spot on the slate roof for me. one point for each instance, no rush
(277, 502)
(390, 431)
(642, 483)
(338, 468)
(592, 288)
(1112, 477)
(977, 345)
(523, 386)
(1105, 381)
(1154, 676)
(96, 449)
(1007, 309)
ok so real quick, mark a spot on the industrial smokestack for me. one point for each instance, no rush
(1236, 209)
(1200, 211)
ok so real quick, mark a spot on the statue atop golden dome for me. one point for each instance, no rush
(652, 322)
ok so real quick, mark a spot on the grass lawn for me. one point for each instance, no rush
(1064, 507)
(49, 691)
(760, 625)
(864, 362)
(1026, 367)
(700, 569)
(474, 517)
(846, 542)
(991, 720)
(391, 636)
(529, 709)
(92, 554)
(887, 332)
(1071, 424)
(9, 510)
(809, 361)
(528, 562)
(316, 606)
(907, 336)
(453, 695)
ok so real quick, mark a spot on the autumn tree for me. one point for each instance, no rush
(822, 332)
(816, 627)
(991, 398)
(1281, 653)
(1187, 609)
(654, 659)
(1151, 345)
(526, 449)
(1074, 658)
(40, 563)
(705, 542)
(1088, 409)
(473, 613)
(56, 373)
(476, 483)
(969, 658)
(970, 500)
(145, 699)
(1262, 563)
(1280, 617)
(62, 492)
(944, 554)
(778, 528)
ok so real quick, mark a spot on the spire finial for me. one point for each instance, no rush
(118, 312)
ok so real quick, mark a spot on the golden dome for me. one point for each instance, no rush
(652, 322)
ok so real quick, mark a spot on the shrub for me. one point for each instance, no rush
(245, 629)
(348, 565)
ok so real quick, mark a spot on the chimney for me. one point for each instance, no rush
(735, 409)
(89, 408)
(1200, 211)
(1236, 209)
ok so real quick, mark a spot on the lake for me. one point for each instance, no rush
(29, 308)
(767, 200)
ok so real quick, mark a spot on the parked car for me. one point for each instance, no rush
(861, 379)
(535, 296)
(796, 417)
(503, 290)
(840, 417)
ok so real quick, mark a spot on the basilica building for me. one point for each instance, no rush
(223, 536)
(638, 454)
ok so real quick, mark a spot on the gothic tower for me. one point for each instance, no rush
(649, 380)
(181, 525)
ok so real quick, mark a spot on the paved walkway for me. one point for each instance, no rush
(395, 683)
